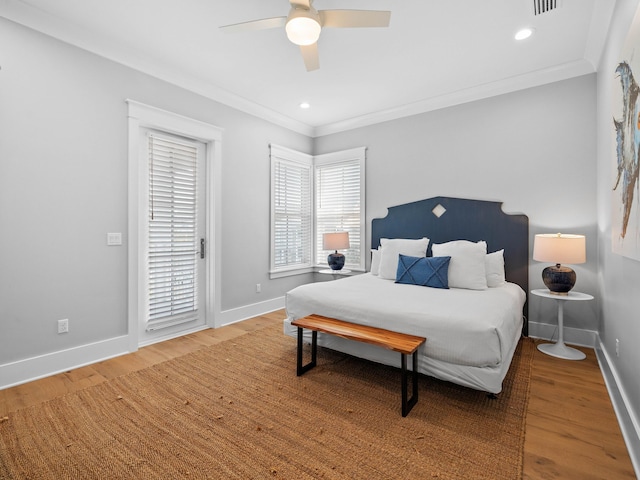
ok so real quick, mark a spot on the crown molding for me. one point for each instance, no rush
(501, 87)
(36, 19)
(40, 21)
(598, 31)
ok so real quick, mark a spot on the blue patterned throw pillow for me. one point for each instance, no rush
(424, 271)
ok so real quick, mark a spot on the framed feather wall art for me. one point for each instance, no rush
(625, 220)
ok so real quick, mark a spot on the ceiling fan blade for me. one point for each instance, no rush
(254, 25)
(310, 56)
(301, 3)
(354, 18)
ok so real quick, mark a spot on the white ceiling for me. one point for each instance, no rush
(434, 54)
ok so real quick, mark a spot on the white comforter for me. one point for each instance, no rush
(462, 327)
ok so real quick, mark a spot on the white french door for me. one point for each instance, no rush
(175, 242)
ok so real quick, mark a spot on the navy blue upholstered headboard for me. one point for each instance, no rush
(463, 220)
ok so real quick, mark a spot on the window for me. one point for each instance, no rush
(339, 203)
(311, 196)
(291, 212)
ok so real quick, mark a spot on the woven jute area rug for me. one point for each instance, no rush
(236, 410)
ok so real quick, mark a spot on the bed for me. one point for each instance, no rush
(472, 329)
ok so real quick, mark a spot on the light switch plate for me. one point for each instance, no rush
(114, 239)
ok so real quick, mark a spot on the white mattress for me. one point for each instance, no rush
(467, 328)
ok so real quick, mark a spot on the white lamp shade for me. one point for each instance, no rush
(559, 248)
(335, 241)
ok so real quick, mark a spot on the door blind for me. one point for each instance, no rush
(173, 242)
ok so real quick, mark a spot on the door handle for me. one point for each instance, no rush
(202, 248)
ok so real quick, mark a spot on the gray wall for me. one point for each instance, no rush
(63, 186)
(618, 277)
(533, 149)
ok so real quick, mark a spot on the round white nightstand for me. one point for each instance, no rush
(559, 349)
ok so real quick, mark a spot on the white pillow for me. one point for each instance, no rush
(375, 261)
(494, 266)
(467, 265)
(391, 250)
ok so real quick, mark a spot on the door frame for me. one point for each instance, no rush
(144, 116)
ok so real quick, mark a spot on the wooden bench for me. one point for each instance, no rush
(399, 342)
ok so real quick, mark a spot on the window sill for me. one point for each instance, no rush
(290, 272)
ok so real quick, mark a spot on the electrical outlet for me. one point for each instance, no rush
(258, 288)
(617, 347)
(63, 325)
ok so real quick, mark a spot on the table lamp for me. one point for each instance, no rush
(335, 241)
(560, 249)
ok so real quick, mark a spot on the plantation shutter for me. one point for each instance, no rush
(173, 243)
(339, 207)
(291, 207)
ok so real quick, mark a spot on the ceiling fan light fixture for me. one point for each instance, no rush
(303, 26)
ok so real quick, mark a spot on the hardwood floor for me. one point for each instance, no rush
(571, 429)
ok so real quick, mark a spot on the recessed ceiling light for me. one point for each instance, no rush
(305, 105)
(524, 33)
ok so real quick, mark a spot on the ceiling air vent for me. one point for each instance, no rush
(545, 6)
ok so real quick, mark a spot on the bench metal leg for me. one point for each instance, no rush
(314, 352)
(408, 403)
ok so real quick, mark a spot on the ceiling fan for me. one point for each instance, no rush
(304, 23)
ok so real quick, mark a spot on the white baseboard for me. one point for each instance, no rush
(29, 369)
(239, 314)
(34, 368)
(627, 419)
(574, 336)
